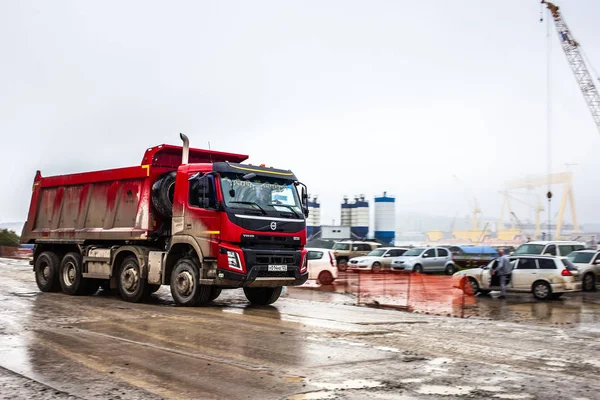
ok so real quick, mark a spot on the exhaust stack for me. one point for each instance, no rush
(185, 155)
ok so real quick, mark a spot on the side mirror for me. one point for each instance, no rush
(387, 255)
(425, 256)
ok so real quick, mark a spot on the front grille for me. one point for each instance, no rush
(270, 241)
(275, 259)
(275, 274)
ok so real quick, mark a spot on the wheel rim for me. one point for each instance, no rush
(588, 282)
(541, 290)
(69, 273)
(44, 272)
(130, 279)
(184, 283)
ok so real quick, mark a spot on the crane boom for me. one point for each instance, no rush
(576, 61)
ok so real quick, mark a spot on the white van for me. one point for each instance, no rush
(560, 248)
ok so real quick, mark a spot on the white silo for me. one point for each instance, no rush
(313, 222)
(385, 218)
(346, 215)
(359, 225)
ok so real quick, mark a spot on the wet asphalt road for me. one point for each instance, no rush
(309, 345)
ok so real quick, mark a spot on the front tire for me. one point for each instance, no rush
(541, 290)
(214, 293)
(588, 282)
(376, 268)
(473, 285)
(132, 286)
(418, 269)
(262, 296)
(46, 270)
(185, 284)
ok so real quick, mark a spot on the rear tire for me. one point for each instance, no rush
(541, 290)
(450, 269)
(71, 280)
(342, 264)
(132, 286)
(325, 278)
(162, 194)
(46, 271)
(588, 282)
(185, 284)
(262, 296)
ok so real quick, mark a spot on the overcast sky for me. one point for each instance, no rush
(353, 96)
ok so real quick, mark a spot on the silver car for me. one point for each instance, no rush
(588, 264)
(425, 259)
(376, 260)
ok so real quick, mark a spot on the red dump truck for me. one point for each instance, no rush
(197, 220)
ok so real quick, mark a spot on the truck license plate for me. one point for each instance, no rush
(277, 268)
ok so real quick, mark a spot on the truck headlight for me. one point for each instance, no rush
(234, 260)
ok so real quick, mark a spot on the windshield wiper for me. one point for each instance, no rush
(290, 207)
(251, 203)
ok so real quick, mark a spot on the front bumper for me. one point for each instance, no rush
(259, 276)
(356, 267)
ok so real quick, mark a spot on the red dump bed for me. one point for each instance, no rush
(113, 204)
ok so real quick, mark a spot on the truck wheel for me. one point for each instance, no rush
(214, 293)
(185, 284)
(325, 278)
(132, 286)
(71, 281)
(162, 194)
(46, 269)
(262, 296)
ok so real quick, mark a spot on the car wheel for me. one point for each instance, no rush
(376, 268)
(342, 265)
(325, 278)
(589, 282)
(450, 269)
(474, 285)
(418, 269)
(541, 290)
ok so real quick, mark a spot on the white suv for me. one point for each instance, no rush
(544, 276)
(554, 248)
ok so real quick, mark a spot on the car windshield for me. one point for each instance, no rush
(341, 246)
(530, 249)
(580, 258)
(263, 194)
(414, 252)
(377, 253)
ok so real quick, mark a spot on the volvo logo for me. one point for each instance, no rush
(273, 225)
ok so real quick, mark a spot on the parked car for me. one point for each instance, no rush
(588, 264)
(549, 248)
(321, 266)
(426, 259)
(546, 277)
(376, 260)
(346, 250)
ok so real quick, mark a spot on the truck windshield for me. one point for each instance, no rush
(261, 194)
(530, 249)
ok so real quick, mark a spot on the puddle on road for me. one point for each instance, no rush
(321, 394)
(445, 390)
(510, 396)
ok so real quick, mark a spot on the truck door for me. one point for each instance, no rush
(201, 216)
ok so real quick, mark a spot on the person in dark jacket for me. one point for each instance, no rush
(503, 269)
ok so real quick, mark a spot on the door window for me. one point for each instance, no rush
(526, 263)
(429, 253)
(397, 252)
(202, 191)
(546, 264)
(315, 255)
(551, 249)
(363, 247)
(442, 253)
